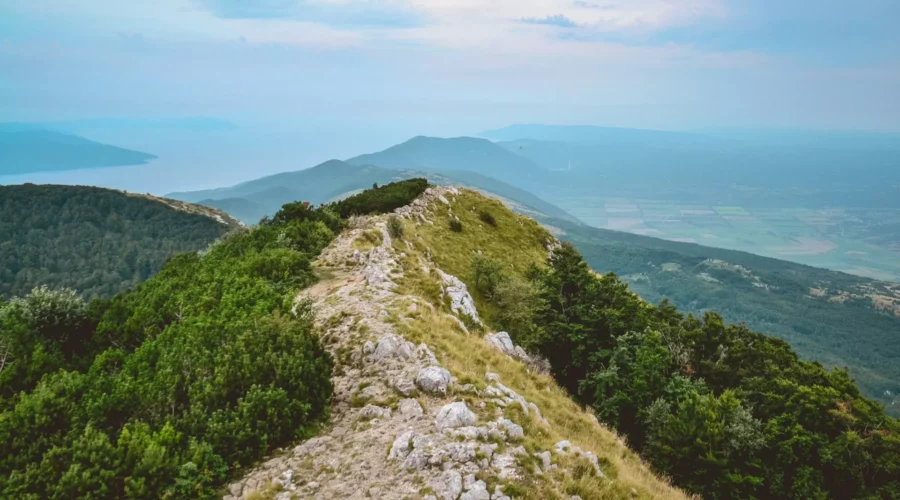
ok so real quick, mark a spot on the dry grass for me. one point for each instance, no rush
(518, 242)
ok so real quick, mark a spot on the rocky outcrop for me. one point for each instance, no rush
(402, 426)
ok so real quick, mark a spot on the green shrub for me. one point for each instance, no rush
(395, 227)
(382, 199)
(487, 218)
(202, 369)
(456, 226)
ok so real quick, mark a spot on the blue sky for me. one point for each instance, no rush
(456, 66)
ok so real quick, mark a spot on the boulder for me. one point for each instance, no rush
(455, 415)
(513, 430)
(433, 380)
(410, 409)
(448, 485)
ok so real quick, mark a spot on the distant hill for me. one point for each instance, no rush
(832, 317)
(600, 135)
(334, 179)
(26, 149)
(97, 241)
(431, 154)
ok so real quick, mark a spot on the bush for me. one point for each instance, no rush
(382, 199)
(186, 376)
(487, 218)
(455, 226)
(395, 227)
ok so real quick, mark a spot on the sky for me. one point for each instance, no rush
(445, 67)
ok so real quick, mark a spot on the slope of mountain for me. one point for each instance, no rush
(315, 184)
(25, 149)
(433, 154)
(97, 241)
(213, 363)
(334, 179)
(601, 135)
(835, 318)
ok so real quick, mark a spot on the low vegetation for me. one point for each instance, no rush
(384, 199)
(724, 411)
(166, 390)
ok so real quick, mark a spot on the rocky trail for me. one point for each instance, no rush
(402, 425)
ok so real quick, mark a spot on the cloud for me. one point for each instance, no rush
(558, 20)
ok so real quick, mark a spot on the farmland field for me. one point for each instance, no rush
(836, 238)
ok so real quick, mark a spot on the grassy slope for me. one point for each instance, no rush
(518, 242)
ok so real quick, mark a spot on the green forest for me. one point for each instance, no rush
(724, 411)
(168, 389)
(816, 328)
(96, 241)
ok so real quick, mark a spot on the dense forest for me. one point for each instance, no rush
(725, 411)
(165, 390)
(96, 241)
(769, 295)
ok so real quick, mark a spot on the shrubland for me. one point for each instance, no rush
(723, 411)
(166, 390)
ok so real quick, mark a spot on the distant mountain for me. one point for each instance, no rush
(97, 241)
(334, 179)
(266, 195)
(433, 154)
(601, 135)
(25, 149)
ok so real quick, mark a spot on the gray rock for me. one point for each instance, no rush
(405, 386)
(392, 346)
(518, 451)
(410, 409)
(563, 446)
(454, 415)
(477, 491)
(401, 446)
(513, 430)
(448, 486)
(372, 411)
(492, 377)
(460, 300)
(545, 458)
(416, 460)
(502, 342)
(236, 489)
(503, 461)
(368, 348)
(433, 380)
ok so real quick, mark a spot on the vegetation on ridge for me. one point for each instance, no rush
(726, 412)
(165, 390)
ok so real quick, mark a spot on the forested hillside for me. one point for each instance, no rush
(166, 390)
(835, 318)
(725, 411)
(96, 241)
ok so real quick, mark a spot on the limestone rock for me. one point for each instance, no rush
(372, 411)
(433, 380)
(513, 430)
(448, 486)
(391, 346)
(410, 409)
(460, 300)
(401, 446)
(455, 415)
